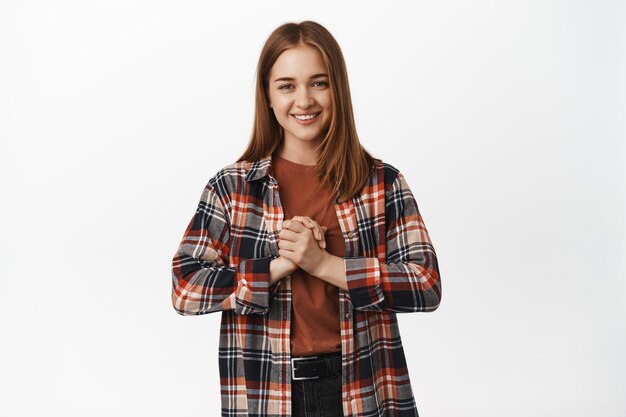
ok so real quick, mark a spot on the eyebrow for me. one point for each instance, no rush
(292, 79)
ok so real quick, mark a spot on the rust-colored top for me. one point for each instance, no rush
(315, 307)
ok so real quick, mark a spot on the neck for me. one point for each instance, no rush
(304, 153)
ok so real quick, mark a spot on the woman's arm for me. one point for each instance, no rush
(408, 280)
(202, 280)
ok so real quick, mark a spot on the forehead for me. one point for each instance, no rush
(298, 62)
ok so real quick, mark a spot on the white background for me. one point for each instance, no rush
(507, 119)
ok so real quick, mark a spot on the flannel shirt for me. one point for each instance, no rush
(222, 264)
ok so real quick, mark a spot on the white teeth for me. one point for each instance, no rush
(308, 117)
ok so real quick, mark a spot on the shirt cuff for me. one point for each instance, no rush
(363, 276)
(253, 290)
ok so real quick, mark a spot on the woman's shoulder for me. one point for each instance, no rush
(231, 177)
(385, 171)
(233, 170)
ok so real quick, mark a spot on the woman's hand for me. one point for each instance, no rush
(299, 245)
(319, 232)
(282, 266)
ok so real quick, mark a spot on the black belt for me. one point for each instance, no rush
(316, 367)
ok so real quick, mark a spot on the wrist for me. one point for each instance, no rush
(332, 270)
(278, 270)
(321, 269)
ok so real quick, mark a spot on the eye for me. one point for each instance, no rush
(286, 87)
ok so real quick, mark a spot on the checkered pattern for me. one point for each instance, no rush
(222, 264)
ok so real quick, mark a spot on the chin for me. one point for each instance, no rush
(314, 136)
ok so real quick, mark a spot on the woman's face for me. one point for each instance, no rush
(299, 85)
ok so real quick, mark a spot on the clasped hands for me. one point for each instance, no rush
(301, 244)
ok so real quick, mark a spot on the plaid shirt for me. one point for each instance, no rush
(222, 264)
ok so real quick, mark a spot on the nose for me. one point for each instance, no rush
(304, 99)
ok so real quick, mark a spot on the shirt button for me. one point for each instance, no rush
(348, 315)
(349, 398)
(352, 234)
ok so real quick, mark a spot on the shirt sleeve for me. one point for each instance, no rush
(202, 279)
(408, 280)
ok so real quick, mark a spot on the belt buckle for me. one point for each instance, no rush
(293, 368)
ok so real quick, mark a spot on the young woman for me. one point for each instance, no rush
(309, 247)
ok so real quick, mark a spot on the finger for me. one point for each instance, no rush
(287, 254)
(306, 222)
(286, 244)
(294, 225)
(311, 224)
(286, 234)
(318, 230)
(314, 227)
(321, 230)
(315, 233)
(319, 234)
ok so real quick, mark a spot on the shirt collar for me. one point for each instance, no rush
(264, 168)
(259, 169)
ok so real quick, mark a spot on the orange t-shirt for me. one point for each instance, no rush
(315, 302)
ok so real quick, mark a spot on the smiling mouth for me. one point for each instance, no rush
(306, 117)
